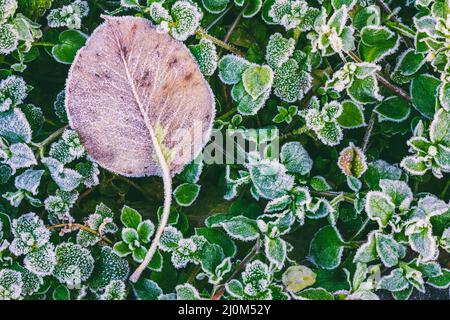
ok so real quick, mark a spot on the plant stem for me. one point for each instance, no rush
(394, 89)
(217, 294)
(51, 137)
(369, 130)
(73, 226)
(332, 194)
(361, 229)
(393, 17)
(43, 44)
(226, 115)
(202, 32)
(233, 26)
(167, 180)
(41, 145)
(213, 23)
(444, 191)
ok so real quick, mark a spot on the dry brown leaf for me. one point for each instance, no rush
(127, 79)
(137, 99)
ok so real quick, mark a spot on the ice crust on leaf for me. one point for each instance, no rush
(163, 92)
(74, 264)
(13, 90)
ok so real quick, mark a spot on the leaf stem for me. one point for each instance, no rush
(51, 137)
(218, 292)
(167, 180)
(361, 229)
(213, 23)
(369, 130)
(233, 26)
(393, 18)
(202, 32)
(444, 191)
(73, 226)
(394, 89)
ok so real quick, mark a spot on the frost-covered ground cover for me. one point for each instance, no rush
(349, 201)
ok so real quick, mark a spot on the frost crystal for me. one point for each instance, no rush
(278, 50)
(332, 36)
(7, 9)
(68, 16)
(17, 156)
(206, 56)
(29, 233)
(101, 221)
(9, 38)
(291, 14)
(291, 83)
(13, 90)
(41, 261)
(270, 178)
(115, 290)
(323, 121)
(74, 264)
(11, 284)
(186, 19)
(66, 179)
(60, 204)
(68, 148)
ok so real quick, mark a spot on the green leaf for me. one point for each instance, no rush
(365, 90)
(440, 128)
(187, 292)
(408, 64)
(122, 249)
(423, 91)
(394, 109)
(186, 193)
(138, 254)
(257, 80)
(145, 230)
(319, 183)
(389, 250)
(14, 126)
(156, 264)
(234, 288)
(129, 235)
(146, 289)
(61, 293)
(252, 9)
(219, 238)
(314, 294)
(395, 281)
(442, 281)
(368, 16)
(379, 207)
(352, 115)
(241, 228)
(130, 217)
(275, 251)
(69, 42)
(377, 42)
(231, 68)
(378, 170)
(326, 248)
(210, 257)
(215, 6)
(337, 4)
(295, 158)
